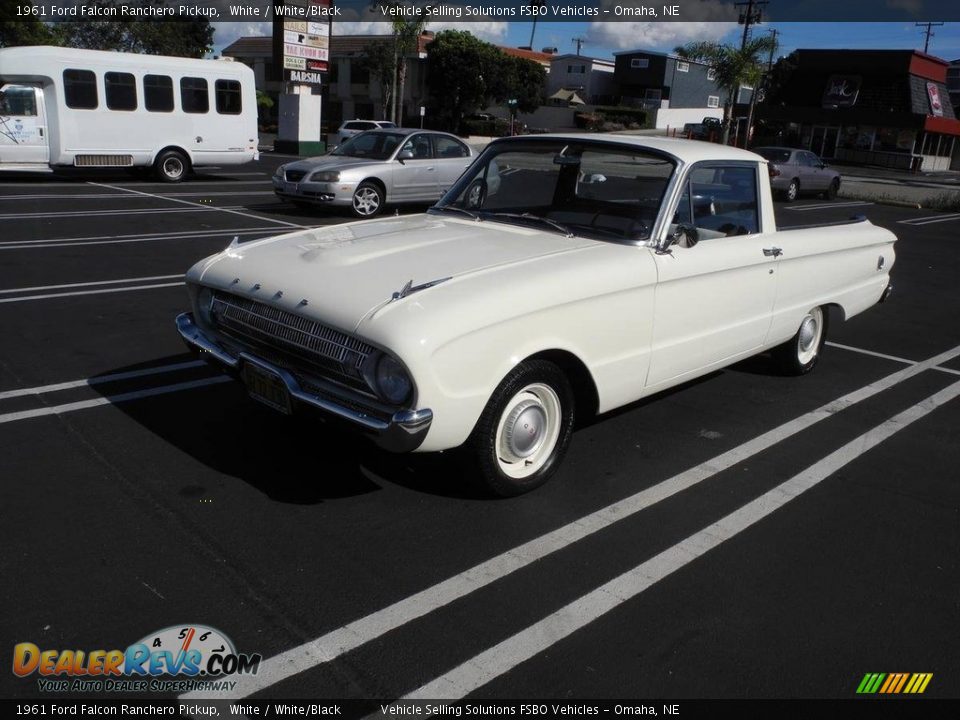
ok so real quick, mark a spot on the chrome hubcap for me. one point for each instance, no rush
(808, 339)
(366, 201)
(792, 191)
(172, 167)
(524, 429)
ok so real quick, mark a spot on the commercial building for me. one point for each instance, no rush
(876, 107)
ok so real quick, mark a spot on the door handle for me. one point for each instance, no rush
(772, 252)
(430, 169)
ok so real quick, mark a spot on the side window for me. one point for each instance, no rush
(420, 146)
(80, 89)
(449, 148)
(228, 97)
(18, 102)
(723, 201)
(194, 97)
(158, 93)
(121, 91)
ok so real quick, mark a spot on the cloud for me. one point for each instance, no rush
(655, 35)
(225, 33)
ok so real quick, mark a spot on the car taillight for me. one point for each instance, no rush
(774, 170)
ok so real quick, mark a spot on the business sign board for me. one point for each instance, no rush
(841, 91)
(301, 39)
(936, 106)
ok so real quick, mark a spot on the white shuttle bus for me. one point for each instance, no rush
(88, 108)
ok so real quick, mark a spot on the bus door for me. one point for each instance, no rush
(24, 136)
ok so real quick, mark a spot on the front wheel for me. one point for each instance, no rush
(799, 354)
(832, 191)
(524, 430)
(367, 200)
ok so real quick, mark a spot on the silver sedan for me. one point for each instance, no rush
(377, 167)
(793, 172)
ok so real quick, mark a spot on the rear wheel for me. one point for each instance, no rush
(799, 354)
(171, 166)
(524, 430)
(832, 191)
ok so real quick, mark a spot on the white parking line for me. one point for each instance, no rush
(127, 196)
(100, 379)
(894, 358)
(505, 656)
(89, 284)
(177, 235)
(111, 400)
(208, 207)
(930, 219)
(354, 634)
(108, 213)
(825, 206)
(89, 292)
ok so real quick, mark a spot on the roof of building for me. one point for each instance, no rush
(574, 56)
(540, 57)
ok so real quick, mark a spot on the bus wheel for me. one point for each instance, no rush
(172, 166)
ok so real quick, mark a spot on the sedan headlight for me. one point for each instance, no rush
(278, 173)
(393, 383)
(205, 305)
(325, 176)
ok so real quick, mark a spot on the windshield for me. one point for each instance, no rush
(584, 188)
(372, 145)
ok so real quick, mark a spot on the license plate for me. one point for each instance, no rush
(266, 387)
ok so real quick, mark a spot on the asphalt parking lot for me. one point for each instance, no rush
(792, 534)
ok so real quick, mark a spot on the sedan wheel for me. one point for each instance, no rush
(367, 200)
(832, 191)
(799, 354)
(525, 429)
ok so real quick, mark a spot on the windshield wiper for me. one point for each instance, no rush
(453, 208)
(530, 216)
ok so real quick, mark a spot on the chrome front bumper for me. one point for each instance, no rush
(404, 432)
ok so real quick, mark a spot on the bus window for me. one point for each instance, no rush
(121, 91)
(228, 97)
(158, 93)
(18, 102)
(80, 89)
(193, 95)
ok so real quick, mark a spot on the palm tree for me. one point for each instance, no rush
(733, 67)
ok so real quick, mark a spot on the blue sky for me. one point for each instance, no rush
(604, 39)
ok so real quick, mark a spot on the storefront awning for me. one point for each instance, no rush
(947, 126)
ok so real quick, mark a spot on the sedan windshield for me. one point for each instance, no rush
(591, 189)
(372, 145)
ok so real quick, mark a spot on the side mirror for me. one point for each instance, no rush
(683, 235)
(405, 155)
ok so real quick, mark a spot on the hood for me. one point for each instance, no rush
(344, 272)
(330, 162)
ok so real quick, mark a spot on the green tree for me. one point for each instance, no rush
(734, 66)
(27, 30)
(526, 82)
(182, 38)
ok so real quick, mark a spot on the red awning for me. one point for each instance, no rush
(947, 126)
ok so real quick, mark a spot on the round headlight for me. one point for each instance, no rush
(392, 380)
(279, 171)
(325, 176)
(205, 304)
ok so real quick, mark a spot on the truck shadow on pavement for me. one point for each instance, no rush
(299, 459)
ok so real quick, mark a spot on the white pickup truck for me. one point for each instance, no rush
(561, 276)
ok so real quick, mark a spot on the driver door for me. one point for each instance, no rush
(714, 299)
(23, 126)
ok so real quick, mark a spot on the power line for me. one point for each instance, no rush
(579, 41)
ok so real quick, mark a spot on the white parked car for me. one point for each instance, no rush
(350, 128)
(604, 269)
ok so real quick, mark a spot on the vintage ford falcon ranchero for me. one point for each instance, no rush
(560, 276)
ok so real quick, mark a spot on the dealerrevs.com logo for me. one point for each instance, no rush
(202, 657)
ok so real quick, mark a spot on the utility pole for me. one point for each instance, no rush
(928, 32)
(750, 17)
(579, 41)
(535, 4)
(774, 32)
